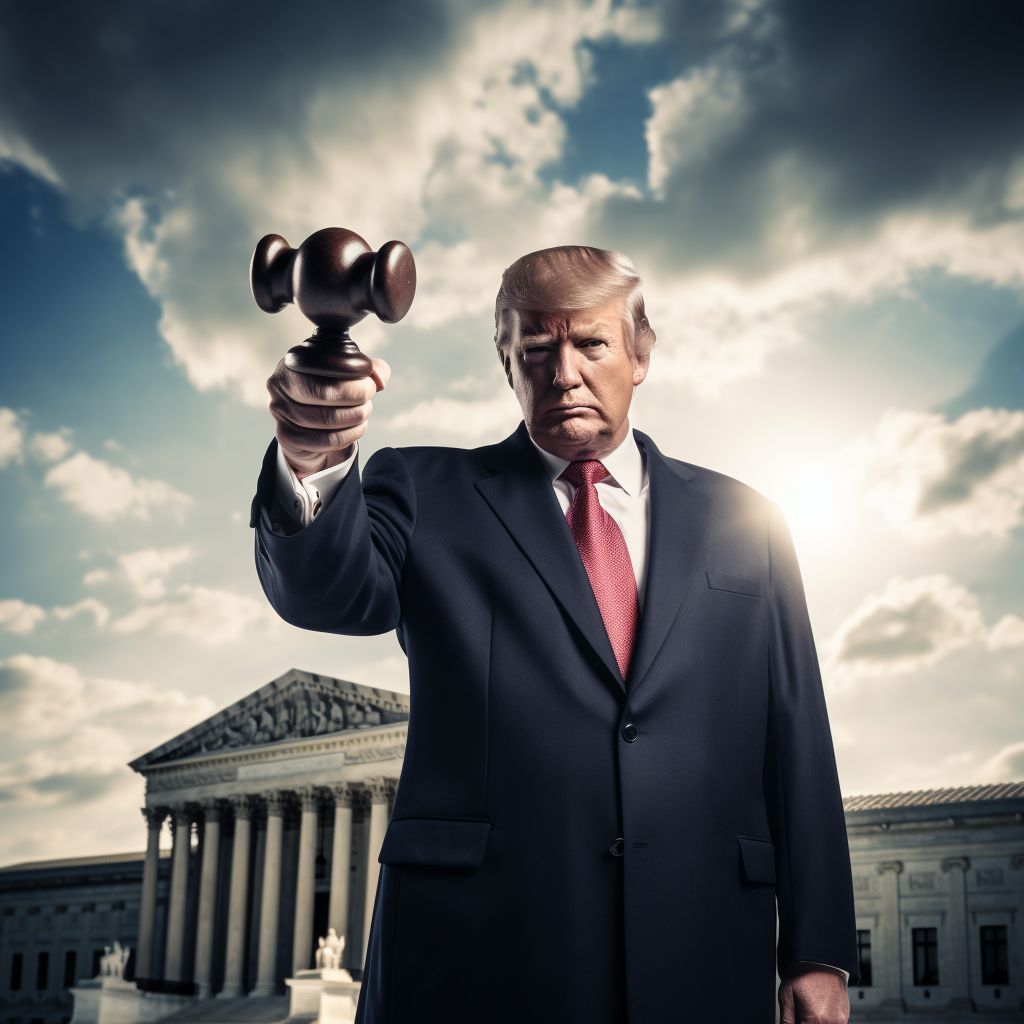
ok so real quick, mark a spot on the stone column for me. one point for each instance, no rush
(205, 922)
(956, 930)
(341, 857)
(150, 877)
(305, 886)
(889, 931)
(266, 980)
(178, 901)
(380, 791)
(234, 959)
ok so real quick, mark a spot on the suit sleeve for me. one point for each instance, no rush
(817, 921)
(342, 573)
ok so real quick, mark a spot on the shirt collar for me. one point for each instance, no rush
(625, 465)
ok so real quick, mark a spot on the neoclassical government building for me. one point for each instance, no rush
(277, 807)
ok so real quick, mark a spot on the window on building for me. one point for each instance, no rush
(926, 956)
(96, 954)
(864, 955)
(69, 968)
(43, 971)
(994, 955)
(16, 962)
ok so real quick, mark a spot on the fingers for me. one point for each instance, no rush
(308, 389)
(319, 417)
(309, 446)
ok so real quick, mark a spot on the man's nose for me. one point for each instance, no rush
(566, 372)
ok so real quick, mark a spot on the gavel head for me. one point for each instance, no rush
(336, 280)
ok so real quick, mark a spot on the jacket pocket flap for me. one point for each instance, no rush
(435, 842)
(758, 860)
(747, 585)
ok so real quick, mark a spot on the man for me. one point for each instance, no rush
(619, 756)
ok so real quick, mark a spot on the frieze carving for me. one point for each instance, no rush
(921, 880)
(315, 709)
(369, 754)
(862, 883)
(989, 876)
(162, 782)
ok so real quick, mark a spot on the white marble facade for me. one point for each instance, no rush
(939, 888)
(278, 807)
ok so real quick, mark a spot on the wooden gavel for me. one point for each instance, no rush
(335, 279)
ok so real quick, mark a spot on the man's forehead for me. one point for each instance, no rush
(569, 321)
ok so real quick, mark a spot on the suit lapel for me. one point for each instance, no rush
(679, 521)
(521, 496)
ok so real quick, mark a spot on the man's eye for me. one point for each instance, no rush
(537, 350)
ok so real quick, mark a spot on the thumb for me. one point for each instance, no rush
(380, 374)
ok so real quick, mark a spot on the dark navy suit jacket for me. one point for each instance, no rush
(500, 898)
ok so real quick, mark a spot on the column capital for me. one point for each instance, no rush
(309, 797)
(155, 817)
(213, 810)
(896, 866)
(381, 789)
(274, 802)
(342, 794)
(182, 816)
(963, 863)
(241, 805)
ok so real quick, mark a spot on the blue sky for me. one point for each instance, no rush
(827, 207)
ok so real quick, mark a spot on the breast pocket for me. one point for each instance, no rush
(748, 586)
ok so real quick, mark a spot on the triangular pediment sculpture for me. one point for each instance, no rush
(295, 706)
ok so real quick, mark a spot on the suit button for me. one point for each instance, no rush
(630, 733)
(617, 848)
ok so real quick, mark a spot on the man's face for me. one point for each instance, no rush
(574, 375)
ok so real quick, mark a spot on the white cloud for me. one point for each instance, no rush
(911, 624)
(1007, 632)
(18, 617)
(1005, 766)
(204, 614)
(147, 570)
(68, 736)
(690, 118)
(51, 447)
(88, 606)
(12, 440)
(94, 576)
(105, 492)
(469, 420)
(932, 479)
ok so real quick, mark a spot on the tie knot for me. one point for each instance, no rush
(589, 471)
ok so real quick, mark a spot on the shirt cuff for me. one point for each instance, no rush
(838, 970)
(303, 500)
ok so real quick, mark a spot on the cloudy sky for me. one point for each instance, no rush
(826, 202)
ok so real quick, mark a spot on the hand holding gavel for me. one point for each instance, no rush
(322, 391)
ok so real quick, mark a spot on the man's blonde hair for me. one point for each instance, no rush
(570, 278)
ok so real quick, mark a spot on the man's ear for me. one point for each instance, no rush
(640, 368)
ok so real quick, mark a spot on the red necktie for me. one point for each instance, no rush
(605, 557)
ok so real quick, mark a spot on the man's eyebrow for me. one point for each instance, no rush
(540, 336)
(592, 328)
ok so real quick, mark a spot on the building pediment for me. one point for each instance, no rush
(295, 706)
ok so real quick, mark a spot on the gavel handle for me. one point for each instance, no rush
(328, 353)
